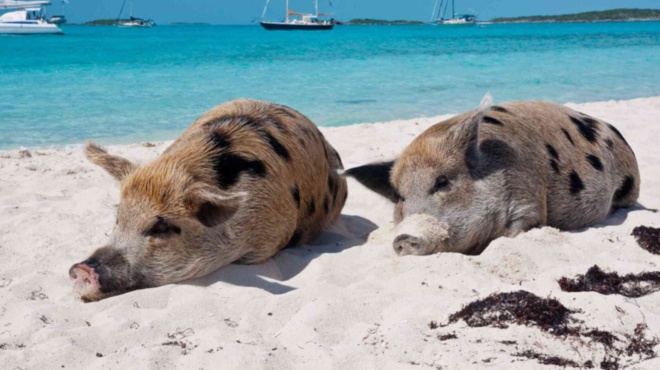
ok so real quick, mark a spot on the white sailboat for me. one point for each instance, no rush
(27, 18)
(307, 21)
(456, 19)
(133, 21)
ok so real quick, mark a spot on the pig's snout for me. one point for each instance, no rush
(406, 244)
(420, 235)
(86, 278)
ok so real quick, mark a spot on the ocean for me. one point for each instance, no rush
(126, 85)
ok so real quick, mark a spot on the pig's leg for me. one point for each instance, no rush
(527, 215)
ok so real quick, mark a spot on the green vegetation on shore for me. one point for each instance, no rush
(104, 22)
(600, 16)
(379, 22)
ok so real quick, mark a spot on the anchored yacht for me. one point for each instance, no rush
(308, 22)
(133, 21)
(456, 19)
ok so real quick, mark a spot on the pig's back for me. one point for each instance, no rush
(583, 164)
(281, 160)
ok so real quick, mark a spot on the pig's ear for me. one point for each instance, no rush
(466, 133)
(118, 167)
(376, 177)
(212, 206)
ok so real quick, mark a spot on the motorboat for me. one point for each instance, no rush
(296, 21)
(57, 19)
(27, 18)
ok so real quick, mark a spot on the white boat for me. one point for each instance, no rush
(307, 22)
(133, 21)
(27, 18)
(456, 19)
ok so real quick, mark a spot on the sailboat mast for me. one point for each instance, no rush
(453, 11)
(287, 11)
(131, 8)
(317, 9)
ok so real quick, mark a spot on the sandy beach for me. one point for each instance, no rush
(345, 301)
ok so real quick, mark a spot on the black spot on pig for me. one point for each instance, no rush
(492, 121)
(295, 193)
(595, 162)
(587, 128)
(229, 167)
(552, 151)
(311, 207)
(220, 140)
(624, 190)
(498, 108)
(576, 183)
(618, 133)
(555, 165)
(568, 136)
(276, 146)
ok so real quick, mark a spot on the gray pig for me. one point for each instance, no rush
(502, 170)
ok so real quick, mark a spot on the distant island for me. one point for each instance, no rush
(380, 22)
(600, 16)
(104, 22)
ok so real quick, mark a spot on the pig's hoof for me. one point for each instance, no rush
(406, 244)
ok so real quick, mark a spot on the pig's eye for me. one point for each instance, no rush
(162, 229)
(441, 183)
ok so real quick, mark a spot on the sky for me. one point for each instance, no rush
(245, 11)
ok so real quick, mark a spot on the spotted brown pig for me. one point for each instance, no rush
(247, 179)
(501, 170)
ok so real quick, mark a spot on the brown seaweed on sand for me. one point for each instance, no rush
(548, 314)
(522, 308)
(596, 280)
(648, 238)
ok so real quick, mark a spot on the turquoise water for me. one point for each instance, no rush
(123, 85)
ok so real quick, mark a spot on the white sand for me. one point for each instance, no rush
(345, 302)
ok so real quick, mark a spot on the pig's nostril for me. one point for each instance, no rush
(91, 262)
(72, 272)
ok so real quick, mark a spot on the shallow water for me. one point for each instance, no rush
(122, 85)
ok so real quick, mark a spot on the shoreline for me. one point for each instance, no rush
(345, 300)
(427, 121)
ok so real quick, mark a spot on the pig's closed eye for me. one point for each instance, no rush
(162, 229)
(441, 183)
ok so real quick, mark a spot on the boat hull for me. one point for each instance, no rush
(278, 26)
(29, 29)
(456, 24)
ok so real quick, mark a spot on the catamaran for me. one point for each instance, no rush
(28, 18)
(306, 21)
(456, 19)
(132, 21)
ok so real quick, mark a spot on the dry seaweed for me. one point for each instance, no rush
(648, 238)
(522, 308)
(549, 315)
(552, 360)
(444, 337)
(596, 280)
(640, 345)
